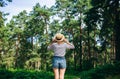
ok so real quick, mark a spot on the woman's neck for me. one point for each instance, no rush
(60, 42)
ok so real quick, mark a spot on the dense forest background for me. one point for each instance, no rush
(93, 26)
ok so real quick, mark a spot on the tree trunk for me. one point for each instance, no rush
(80, 54)
(117, 30)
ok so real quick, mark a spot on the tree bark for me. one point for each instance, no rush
(117, 30)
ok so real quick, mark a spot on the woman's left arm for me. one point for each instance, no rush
(70, 45)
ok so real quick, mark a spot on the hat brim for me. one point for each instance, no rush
(57, 40)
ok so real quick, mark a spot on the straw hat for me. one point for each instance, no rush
(59, 37)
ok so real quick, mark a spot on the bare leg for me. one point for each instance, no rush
(56, 73)
(62, 72)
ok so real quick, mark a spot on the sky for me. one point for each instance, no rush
(16, 6)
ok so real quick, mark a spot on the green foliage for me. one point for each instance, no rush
(87, 23)
(3, 3)
(25, 74)
(30, 74)
(113, 77)
(87, 64)
(4, 74)
(101, 72)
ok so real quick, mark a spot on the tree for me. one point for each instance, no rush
(116, 11)
(37, 30)
(71, 14)
(4, 37)
(106, 16)
(4, 2)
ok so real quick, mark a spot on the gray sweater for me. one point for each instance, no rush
(60, 49)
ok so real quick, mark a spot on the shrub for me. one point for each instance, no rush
(25, 74)
(101, 72)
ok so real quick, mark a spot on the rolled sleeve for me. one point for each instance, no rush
(50, 47)
(70, 46)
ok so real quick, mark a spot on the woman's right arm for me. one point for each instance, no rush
(50, 46)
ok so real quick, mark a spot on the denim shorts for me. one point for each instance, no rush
(59, 62)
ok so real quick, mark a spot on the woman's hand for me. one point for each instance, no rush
(66, 41)
(53, 40)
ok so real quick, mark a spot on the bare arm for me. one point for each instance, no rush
(50, 45)
(71, 46)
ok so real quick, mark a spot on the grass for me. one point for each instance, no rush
(32, 74)
(114, 77)
(71, 77)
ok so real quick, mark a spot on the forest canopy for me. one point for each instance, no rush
(91, 25)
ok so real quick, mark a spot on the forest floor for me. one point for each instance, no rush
(114, 77)
(71, 77)
(70, 74)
